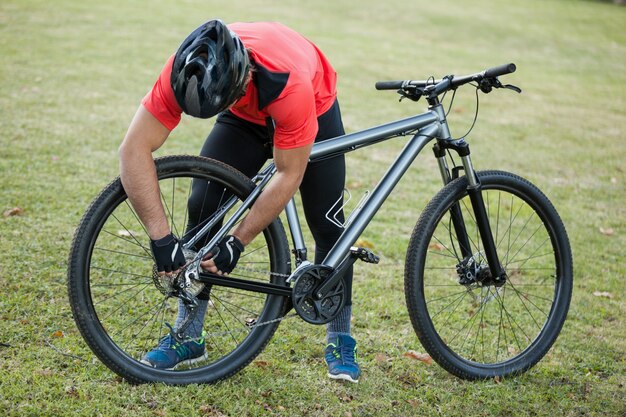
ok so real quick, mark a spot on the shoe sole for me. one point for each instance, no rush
(187, 362)
(343, 377)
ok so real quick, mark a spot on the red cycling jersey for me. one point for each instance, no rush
(292, 83)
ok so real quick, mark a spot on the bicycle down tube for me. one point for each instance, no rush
(382, 189)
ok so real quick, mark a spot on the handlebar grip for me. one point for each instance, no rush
(500, 70)
(389, 85)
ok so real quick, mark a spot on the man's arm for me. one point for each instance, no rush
(290, 167)
(138, 172)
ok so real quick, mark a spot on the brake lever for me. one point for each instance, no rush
(414, 95)
(512, 87)
(487, 84)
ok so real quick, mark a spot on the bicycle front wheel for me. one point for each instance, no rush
(121, 307)
(473, 327)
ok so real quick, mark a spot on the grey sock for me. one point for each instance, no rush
(195, 328)
(340, 325)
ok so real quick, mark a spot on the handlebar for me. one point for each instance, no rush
(439, 86)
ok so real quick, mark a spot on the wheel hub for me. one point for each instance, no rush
(473, 271)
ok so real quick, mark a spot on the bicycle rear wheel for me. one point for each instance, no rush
(470, 326)
(121, 308)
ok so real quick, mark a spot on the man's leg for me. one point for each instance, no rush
(322, 186)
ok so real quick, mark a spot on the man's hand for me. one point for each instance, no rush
(225, 259)
(168, 254)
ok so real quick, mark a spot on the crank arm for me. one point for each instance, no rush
(355, 253)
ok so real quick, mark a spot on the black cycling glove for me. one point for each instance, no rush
(168, 253)
(228, 251)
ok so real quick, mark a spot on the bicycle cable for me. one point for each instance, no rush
(475, 113)
(451, 101)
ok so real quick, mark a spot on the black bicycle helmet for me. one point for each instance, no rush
(209, 70)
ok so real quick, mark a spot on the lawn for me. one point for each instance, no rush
(72, 74)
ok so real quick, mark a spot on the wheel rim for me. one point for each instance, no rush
(485, 324)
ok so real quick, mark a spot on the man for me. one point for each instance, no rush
(270, 88)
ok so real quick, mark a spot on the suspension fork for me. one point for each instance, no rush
(455, 211)
(474, 191)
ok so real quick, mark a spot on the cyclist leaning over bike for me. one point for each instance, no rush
(274, 94)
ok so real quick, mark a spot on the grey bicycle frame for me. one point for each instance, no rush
(427, 126)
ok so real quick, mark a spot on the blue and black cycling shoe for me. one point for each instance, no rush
(341, 358)
(170, 354)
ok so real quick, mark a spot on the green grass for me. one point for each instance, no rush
(72, 74)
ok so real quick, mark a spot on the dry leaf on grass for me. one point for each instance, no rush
(364, 243)
(608, 231)
(127, 233)
(414, 403)
(423, 357)
(72, 391)
(58, 334)
(436, 246)
(210, 411)
(604, 294)
(15, 211)
(262, 364)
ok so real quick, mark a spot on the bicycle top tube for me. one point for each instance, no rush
(353, 141)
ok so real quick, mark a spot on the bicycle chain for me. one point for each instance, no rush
(249, 328)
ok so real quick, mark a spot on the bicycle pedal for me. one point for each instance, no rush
(365, 255)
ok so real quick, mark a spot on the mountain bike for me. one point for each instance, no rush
(488, 272)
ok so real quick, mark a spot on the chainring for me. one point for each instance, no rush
(310, 307)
